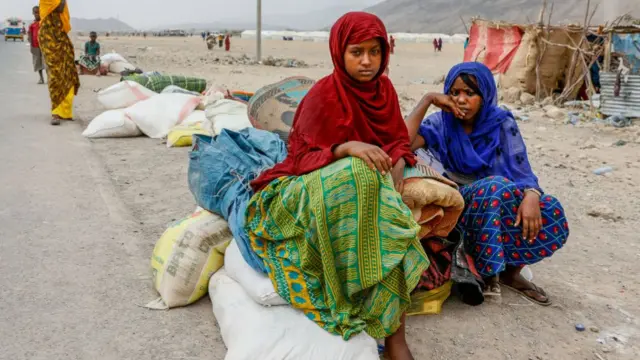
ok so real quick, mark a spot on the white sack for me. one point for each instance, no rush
(228, 114)
(111, 124)
(158, 114)
(123, 95)
(120, 66)
(251, 331)
(111, 58)
(258, 286)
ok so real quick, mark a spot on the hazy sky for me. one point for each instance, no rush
(148, 13)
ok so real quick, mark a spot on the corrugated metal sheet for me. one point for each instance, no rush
(628, 103)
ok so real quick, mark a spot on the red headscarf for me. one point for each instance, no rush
(339, 109)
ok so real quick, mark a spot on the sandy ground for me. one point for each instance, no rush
(593, 280)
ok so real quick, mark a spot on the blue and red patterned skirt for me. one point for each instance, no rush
(489, 231)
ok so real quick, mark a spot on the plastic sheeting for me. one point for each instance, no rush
(496, 47)
(629, 45)
(220, 170)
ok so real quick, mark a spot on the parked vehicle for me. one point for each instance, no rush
(14, 29)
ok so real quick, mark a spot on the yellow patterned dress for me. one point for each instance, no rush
(61, 69)
(340, 245)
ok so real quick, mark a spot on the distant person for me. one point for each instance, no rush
(90, 61)
(220, 40)
(204, 36)
(392, 44)
(211, 42)
(227, 42)
(466, 44)
(435, 45)
(36, 53)
(55, 25)
(440, 44)
(92, 47)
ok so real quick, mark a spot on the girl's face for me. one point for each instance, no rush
(468, 99)
(362, 61)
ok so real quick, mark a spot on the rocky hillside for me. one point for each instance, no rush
(99, 25)
(443, 16)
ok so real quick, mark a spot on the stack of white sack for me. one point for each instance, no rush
(115, 63)
(135, 110)
(172, 114)
(251, 331)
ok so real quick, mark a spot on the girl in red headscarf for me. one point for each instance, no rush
(329, 222)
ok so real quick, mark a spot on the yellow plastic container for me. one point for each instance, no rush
(430, 302)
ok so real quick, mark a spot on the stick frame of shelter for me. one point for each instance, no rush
(568, 90)
(574, 59)
(544, 48)
(607, 54)
(466, 28)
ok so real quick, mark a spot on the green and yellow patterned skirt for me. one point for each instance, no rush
(340, 245)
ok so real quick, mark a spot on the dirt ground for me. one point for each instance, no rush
(593, 280)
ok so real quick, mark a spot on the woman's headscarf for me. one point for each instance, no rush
(472, 153)
(49, 6)
(339, 109)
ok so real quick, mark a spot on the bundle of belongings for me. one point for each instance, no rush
(210, 251)
(158, 83)
(115, 63)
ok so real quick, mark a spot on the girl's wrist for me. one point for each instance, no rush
(530, 191)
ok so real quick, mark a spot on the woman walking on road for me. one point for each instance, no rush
(59, 55)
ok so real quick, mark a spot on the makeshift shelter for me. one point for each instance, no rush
(537, 59)
(620, 77)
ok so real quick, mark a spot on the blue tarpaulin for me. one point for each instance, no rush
(629, 45)
(220, 170)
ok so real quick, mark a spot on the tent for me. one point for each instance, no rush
(536, 59)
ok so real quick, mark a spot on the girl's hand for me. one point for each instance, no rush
(397, 173)
(529, 215)
(375, 157)
(446, 103)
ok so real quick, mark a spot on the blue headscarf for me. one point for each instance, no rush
(494, 147)
(462, 153)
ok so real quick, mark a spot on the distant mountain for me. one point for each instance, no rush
(99, 25)
(443, 16)
(315, 20)
(318, 19)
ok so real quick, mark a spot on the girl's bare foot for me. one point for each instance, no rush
(396, 346)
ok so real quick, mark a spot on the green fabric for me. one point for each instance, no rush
(89, 62)
(340, 245)
(157, 83)
(91, 49)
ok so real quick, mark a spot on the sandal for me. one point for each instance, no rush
(492, 288)
(534, 288)
(55, 121)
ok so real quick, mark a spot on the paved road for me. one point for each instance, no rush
(72, 272)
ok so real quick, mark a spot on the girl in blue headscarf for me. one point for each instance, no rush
(508, 222)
